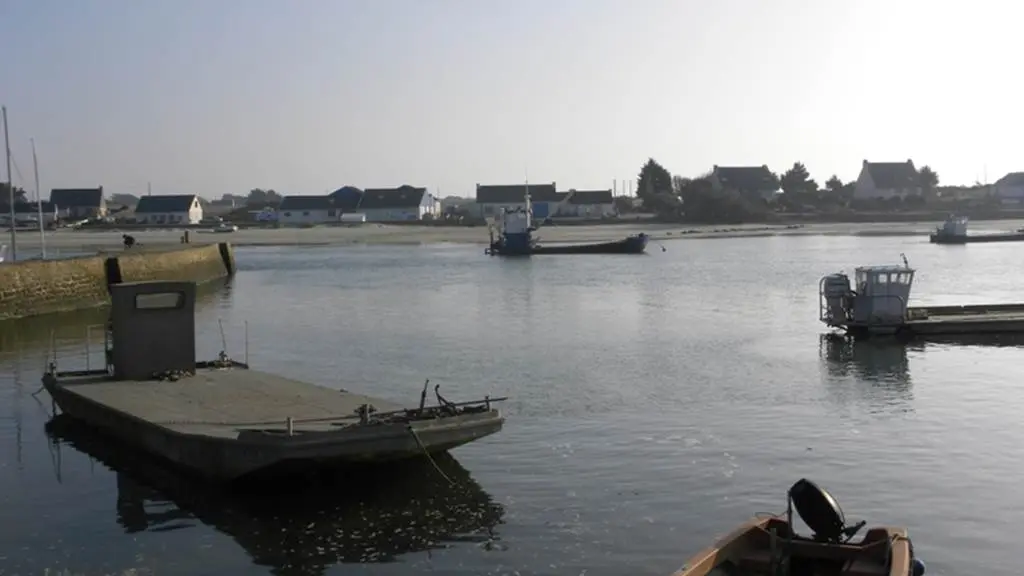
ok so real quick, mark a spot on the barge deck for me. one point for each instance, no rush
(223, 420)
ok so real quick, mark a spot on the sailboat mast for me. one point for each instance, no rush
(10, 187)
(39, 202)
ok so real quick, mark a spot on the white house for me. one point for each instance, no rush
(885, 180)
(179, 209)
(299, 210)
(398, 204)
(585, 204)
(1010, 188)
(753, 182)
(490, 200)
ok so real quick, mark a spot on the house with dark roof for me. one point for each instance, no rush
(29, 211)
(1010, 188)
(398, 204)
(347, 198)
(298, 210)
(80, 202)
(584, 204)
(491, 199)
(753, 182)
(174, 209)
(885, 180)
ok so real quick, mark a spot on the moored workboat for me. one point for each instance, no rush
(515, 230)
(769, 546)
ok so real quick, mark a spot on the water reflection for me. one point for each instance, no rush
(39, 332)
(875, 373)
(302, 527)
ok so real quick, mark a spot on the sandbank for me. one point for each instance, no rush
(81, 241)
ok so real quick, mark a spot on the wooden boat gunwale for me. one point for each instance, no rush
(860, 557)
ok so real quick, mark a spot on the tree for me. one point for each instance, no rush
(929, 179)
(834, 184)
(124, 199)
(654, 179)
(5, 194)
(261, 197)
(797, 180)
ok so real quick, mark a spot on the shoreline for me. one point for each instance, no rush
(91, 241)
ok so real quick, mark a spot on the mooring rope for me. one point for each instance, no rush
(426, 453)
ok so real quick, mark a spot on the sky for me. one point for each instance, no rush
(304, 96)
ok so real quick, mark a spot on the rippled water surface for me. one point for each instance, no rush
(656, 401)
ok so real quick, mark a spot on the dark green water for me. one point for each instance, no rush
(656, 402)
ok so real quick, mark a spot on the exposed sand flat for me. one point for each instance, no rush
(91, 241)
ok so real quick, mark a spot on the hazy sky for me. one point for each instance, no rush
(216, 96)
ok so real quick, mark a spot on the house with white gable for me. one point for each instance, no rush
(170, 209)
(885, 180)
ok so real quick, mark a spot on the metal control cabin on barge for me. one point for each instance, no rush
(223, 420)
(877, 306)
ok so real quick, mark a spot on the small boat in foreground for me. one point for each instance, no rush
(769, 546)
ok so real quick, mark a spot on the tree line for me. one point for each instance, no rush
(694, 199)
(5, 194)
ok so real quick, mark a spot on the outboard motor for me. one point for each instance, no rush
(835, 295)
(820, 511)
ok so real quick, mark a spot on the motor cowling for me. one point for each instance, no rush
(836, 290)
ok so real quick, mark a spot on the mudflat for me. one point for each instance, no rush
(108, 240)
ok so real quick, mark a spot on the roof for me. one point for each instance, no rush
(25, 208)
(746, 178)
(401, 197)
(893, 174)
(590, 197)
(77, 197)
(347, 198)
(160, 204)
(306, 203)
(1011, 179)
(514, 193)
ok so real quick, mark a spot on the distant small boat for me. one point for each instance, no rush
(515, 230)
(954, 231)
(769, 546)
(635, 244)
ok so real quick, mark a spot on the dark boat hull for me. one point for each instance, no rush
(949, 239)
(630, 245)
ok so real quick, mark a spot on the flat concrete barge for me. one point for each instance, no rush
(877, 306)
(223, 420)
(937, 238)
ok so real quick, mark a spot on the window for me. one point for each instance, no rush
(287, 213)
(159, 301)
(306, 213)
(331, 213)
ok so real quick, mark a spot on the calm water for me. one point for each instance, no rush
(656, 401)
